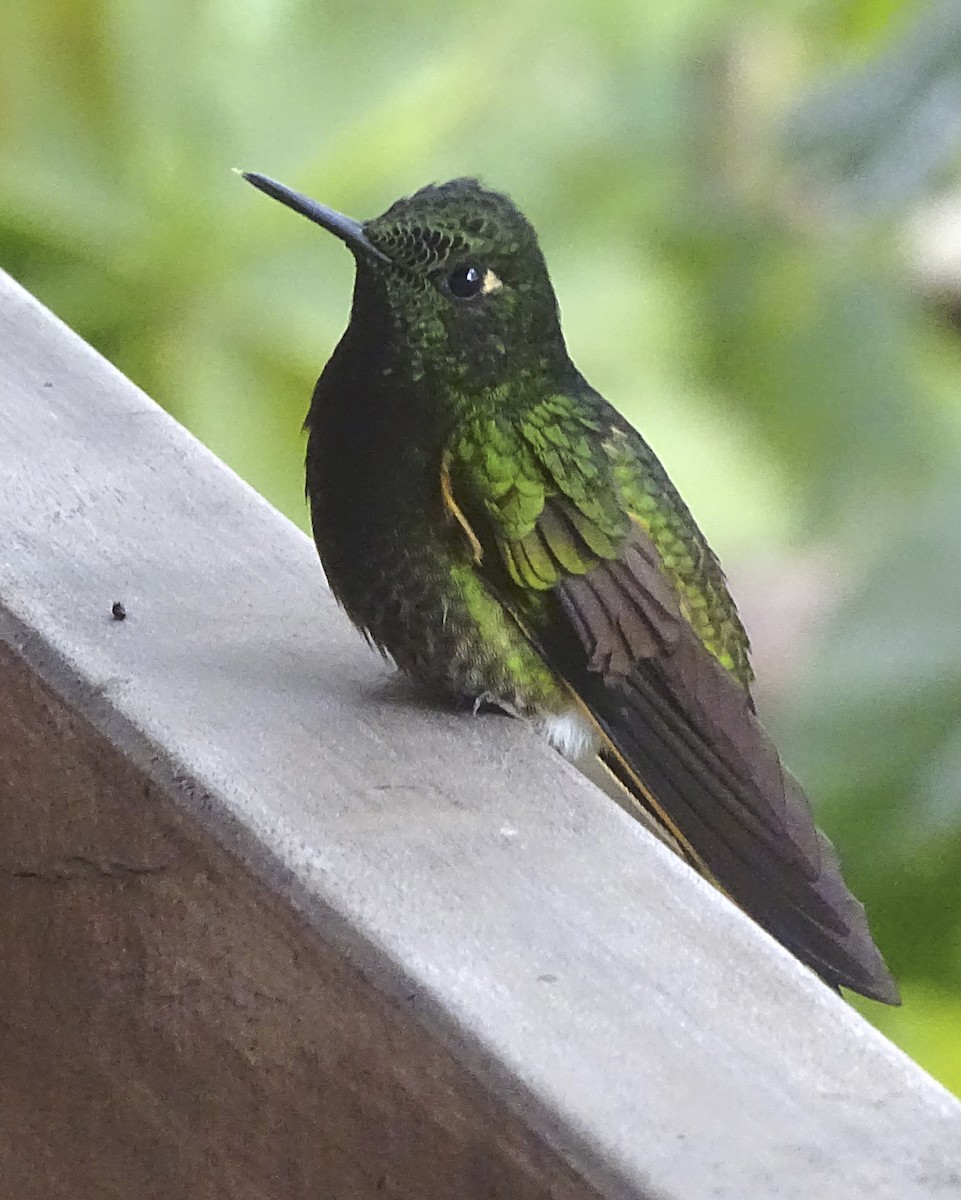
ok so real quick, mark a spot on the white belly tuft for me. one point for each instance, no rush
(570, 733)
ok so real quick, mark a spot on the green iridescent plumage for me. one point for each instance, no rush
(496, 527)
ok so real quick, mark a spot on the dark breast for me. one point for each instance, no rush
(400, 567)
(373, 483)
(402, 570)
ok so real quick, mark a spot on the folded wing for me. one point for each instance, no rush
(589, 584)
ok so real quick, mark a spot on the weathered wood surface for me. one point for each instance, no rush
(270, 928)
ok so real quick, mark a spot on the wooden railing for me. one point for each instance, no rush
(271, 928)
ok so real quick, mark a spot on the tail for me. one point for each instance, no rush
(761, 849)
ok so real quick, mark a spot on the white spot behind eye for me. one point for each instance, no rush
(491, 283)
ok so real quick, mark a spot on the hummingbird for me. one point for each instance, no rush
(496, 528)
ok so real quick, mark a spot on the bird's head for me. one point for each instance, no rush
(461, 274)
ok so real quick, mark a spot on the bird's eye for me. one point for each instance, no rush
(464, 283)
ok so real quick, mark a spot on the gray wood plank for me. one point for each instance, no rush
(600, 1000)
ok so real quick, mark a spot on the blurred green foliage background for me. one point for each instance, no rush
(736, 202)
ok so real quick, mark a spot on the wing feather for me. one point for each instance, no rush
(680, 733)
(594, 592)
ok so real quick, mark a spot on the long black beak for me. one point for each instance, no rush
(349, 231)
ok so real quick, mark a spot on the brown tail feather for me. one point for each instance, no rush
(813, 915)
